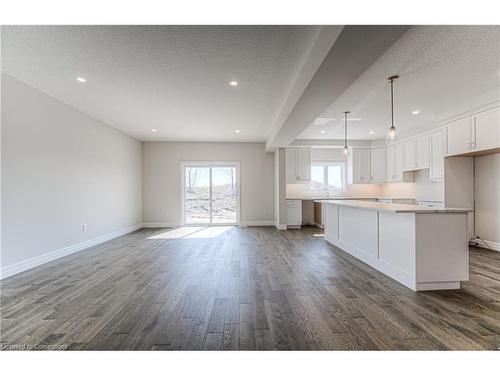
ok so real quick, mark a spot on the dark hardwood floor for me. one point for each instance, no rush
(244, 289)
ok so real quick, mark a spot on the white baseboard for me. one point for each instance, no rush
(491, 245)
(27, 264)
(281, 226)
(256, 224)
(241, 224)
(160, 225)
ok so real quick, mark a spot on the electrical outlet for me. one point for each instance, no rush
(84, 227)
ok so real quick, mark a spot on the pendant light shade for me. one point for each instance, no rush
(392, 130)
(346, 149)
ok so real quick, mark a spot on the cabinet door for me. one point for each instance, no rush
(355, 165)
(291, 165)
(294, 216)
(410, 151)
(437, 156)
(390, 174)
(398, 161)
(458, 136)
(365, 165)
(423, 152)
(486, 130)
(304, 164)
(377, 159)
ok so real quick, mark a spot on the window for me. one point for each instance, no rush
(328, 175)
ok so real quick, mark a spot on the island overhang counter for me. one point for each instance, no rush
(423, 248)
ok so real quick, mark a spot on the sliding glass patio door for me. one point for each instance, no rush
(210, 194)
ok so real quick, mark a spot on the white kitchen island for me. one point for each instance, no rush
(423, 248)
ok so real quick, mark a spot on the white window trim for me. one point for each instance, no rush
(342, 164)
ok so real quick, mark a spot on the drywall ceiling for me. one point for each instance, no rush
(354, 51)
(440, 68)
(171, 78)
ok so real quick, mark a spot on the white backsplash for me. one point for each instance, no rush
(358, 190)
(422, 189)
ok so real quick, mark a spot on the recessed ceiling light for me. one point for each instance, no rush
(372, 132)
(416, 112)
(237, 131)
(154, 130)
(323, 132)
(233, 83)
(81, 79)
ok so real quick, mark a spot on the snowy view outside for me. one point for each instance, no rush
(197, 193)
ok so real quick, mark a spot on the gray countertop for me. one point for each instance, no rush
(393, 207)
(304, 198)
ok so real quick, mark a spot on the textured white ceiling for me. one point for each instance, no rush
(440, 66)
(172, 78)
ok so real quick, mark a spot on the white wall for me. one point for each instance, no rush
(422, 189)
(487, 197)
(61, 169)
(162, 178)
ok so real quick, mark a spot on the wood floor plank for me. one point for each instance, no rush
(251, 288)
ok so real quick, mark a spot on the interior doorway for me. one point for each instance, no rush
(210, 193)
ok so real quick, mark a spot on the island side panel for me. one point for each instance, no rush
(397, 247)
(331, 222)
(442, 250)
(358, 233)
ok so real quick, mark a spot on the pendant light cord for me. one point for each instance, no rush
(392, 102)
(345, 129)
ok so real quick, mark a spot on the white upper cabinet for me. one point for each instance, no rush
(390, 166)
(410, 155)
(399, 161)
(458, 136)
(423, 152)
(437, 156)
(416, 153)
(486, 130)
(359, 168)
(304, 164)
(478, 132)
(377, 165)
(395, 164)
(366, 165)
(298, 165)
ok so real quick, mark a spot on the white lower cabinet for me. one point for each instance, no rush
(294, 213)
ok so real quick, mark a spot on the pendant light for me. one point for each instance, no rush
(346, 149)
(392, 130)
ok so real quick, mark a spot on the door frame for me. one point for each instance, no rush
(206, 164)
